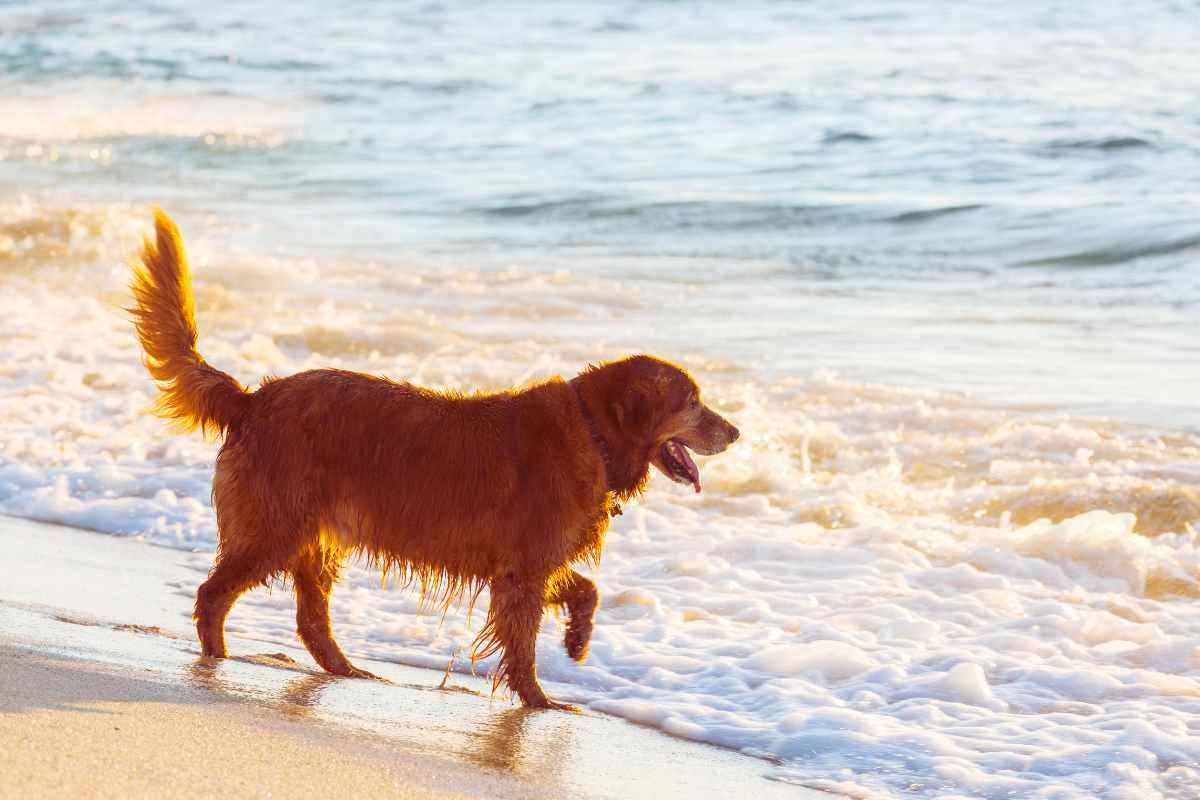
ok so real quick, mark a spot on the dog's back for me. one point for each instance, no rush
(409, 476)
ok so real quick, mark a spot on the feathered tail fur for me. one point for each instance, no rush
(192, 393)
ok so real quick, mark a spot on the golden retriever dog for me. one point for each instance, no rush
(457, 492)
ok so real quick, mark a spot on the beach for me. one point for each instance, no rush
(105, 694)
(940, 270)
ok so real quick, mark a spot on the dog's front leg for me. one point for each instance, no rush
(580, 597)
(514, 617)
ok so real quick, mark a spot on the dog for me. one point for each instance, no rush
(455, 492)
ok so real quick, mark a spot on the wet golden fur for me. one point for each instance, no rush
(454, 492)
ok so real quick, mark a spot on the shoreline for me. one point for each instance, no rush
(103, 694)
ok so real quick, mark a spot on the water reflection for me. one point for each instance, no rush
(296, 697)
(552, 754)
(301, 696)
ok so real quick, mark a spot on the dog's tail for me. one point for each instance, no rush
(191, 393)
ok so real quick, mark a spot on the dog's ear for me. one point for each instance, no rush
(631, 410)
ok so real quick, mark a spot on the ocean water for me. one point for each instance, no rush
(941, 265)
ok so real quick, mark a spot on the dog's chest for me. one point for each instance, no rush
(588, 538)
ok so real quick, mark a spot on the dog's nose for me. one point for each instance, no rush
(734, 434)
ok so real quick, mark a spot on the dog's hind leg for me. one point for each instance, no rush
(313, 574)
(258, 539)
(249, 555)
(232, 575)
(512, 626)
(580, 597)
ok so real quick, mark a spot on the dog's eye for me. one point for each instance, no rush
(694, 402)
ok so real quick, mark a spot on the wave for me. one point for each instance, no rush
(34, 238)
(924, 215)
(1104, 143)
(713, 215)
(580, 206)
(680, 214)
(841, 137)
(436, 86)
(1116, 253)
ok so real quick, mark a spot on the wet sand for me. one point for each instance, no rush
(103, 693)
(77, 728)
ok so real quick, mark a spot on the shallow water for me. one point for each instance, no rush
(940, 268)
(139, 630)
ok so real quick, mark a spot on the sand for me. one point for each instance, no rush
(74, 729)
(103, 694)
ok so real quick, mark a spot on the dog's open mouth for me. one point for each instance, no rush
(679, 464)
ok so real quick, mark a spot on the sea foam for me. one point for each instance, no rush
(888, 592)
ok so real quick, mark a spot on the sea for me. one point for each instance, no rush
(940, 263)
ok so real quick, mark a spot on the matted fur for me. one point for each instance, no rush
(452, 492)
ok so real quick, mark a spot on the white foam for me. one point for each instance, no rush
(865, 590)
(821, 661)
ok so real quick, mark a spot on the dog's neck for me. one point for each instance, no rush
(597, 437)
(623, 479)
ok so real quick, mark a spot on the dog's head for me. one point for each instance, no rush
(661, 415)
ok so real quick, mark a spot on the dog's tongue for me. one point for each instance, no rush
(693, 471)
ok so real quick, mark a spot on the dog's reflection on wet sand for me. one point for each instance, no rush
(516, 740)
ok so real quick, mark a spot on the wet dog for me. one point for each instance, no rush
(456, 492)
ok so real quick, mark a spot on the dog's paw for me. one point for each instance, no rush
(577, 639)
(553, 705)
(355, 672)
